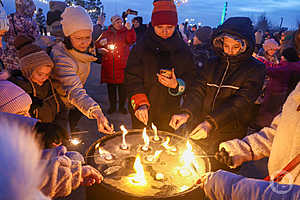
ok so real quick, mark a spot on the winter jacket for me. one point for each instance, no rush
(114, 61)
(226, 87)
(45, 102)
(140, 31)
(280, 142)
(228, 186)
(270, 60)
(280, 77)
(40, 19)
(70, 73)
(202, 53)
(146, 59)
(20, 22)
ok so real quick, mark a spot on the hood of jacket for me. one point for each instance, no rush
(240, 27)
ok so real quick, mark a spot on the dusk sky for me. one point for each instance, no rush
(208, 12)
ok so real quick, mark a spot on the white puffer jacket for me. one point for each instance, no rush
(280, 142)
(70, 73)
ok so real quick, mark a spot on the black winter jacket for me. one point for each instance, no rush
(225, 91)
(146, 59)
(45, 105)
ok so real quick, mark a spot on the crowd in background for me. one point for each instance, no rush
(235, 89)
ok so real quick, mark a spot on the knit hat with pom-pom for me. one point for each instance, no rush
(31, 55)
(164, 13)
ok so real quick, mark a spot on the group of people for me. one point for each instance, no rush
(214, 87)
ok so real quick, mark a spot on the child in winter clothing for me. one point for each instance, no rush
(269, 51)
(114, 60)
(41, 21)
(280, 142)
(222, 98)
(34, 78)
(283, 79)
(20, 23)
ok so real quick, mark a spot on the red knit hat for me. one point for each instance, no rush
(164, 12)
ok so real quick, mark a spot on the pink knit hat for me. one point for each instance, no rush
(270, 44)
(13, 99)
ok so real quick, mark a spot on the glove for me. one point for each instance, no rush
(223, 157)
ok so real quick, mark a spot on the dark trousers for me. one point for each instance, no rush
(43, 30)
(113, 89)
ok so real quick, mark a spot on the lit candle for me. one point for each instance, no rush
(138, 178)
(105, 154)
(75, 141)
(166, 145)
(124, 145)
(152, 158)
(146, 141)
(156, 138)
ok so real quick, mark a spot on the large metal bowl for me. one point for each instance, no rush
(117, 171)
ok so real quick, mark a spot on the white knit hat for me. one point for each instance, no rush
(270, 44)
(75, 18)
(13, 99)
(4, 24)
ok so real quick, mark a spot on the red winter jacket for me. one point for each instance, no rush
(114, 62)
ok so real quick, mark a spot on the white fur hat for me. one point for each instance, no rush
(75, 18)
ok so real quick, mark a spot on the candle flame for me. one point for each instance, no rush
(156, 138)
(189, 159)
(124, 130)
(166, 144)
(139, 177)
(146, 140)
(75, 141)
(156, 154)
(104, 154)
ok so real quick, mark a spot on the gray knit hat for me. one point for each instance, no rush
(13, 99)
(115, 18)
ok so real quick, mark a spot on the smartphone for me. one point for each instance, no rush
(166, 73)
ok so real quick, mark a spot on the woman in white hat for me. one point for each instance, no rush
(72, 59)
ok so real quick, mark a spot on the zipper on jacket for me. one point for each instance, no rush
(220, 86)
